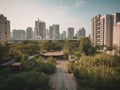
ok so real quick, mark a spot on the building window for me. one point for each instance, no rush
(5, 32)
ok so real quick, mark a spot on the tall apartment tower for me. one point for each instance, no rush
(116, 30)
(116, 18)
(18, 34)
(96, 33)
(107, 30)
(56, 34)
(4, 28)
(102, 29)
(29, 33)
(40, 29)
(70, 33)
(116, 36)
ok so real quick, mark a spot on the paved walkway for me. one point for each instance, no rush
(62, 80)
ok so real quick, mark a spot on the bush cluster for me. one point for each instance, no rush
(31, 80)
(99, 72)
(40, 65)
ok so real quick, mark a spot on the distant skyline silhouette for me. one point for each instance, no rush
(67, 13)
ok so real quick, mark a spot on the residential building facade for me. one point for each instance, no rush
(116, 36)
(96, 33)
(4, 28)
(102, 29)
(107, 30)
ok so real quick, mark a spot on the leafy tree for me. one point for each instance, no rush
(70, 46)
(4, 51)
(86, 47)
(51, 45)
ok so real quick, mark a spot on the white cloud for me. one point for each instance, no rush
(78, 3)
(62, 11)
(63, 8)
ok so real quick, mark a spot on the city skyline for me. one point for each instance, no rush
(66, 13)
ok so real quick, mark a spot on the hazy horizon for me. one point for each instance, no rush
(66, 13)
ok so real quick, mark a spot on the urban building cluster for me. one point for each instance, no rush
(22, 34)
(40, 32)
(106, 30)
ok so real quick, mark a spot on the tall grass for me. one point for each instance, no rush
(99, 71)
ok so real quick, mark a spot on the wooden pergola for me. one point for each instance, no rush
(55, 54)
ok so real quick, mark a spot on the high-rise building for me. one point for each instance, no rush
(4, 28)
(81, 33)
(29, 33)
(56, 34)
(70, 33)
(63, 35)
(116, 30)
(50, 32)
(47, 34)
(96, 33)
(116, 18)
(76, 34)
(40, 29)
(18, 34)
(116, 35)
(102, 29)
(106, 30)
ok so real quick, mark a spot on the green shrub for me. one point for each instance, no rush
(26, 81)
(40, 65)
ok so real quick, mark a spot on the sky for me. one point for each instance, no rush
(66, 13)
